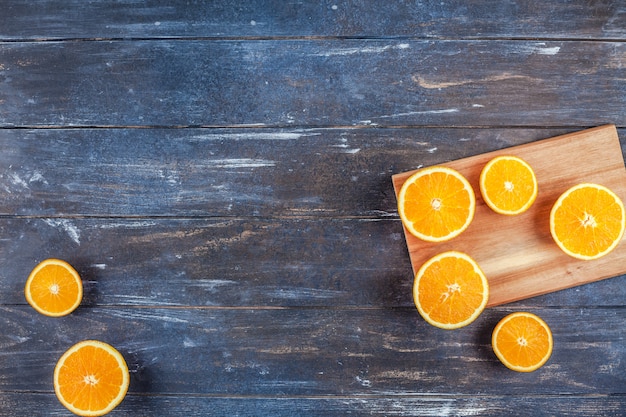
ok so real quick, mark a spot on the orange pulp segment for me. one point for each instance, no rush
(436, 204)
(587, 221)
(450, 290)
(54, 288)
(522, 342)
(91, 378)
(508, 185)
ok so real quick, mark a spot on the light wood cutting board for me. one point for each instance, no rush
(517, 253)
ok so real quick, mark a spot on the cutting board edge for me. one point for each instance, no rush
(396, 179)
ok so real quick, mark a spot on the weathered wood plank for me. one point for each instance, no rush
(236, 262)
(311, 352)
(29, 404)
(226, 172)
(221, 262)
(312, 83)
(50, 19)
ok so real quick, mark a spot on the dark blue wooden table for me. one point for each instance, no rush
(219, 173)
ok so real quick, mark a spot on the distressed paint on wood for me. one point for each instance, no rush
(309, 83)
(275, 19)
(356, 263)
(255, 172)
(326, 286)
(315, 352)
(20, 405)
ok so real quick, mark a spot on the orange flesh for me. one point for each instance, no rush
(522, 342)
(588, 222)
(454, 296)
(54, 289)
(437, 204)
(509, 185)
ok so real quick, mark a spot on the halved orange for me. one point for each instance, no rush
(91, 378)
(450, 290)
(54, 288)
(587, 221)
(522, 341)
(508, 185)
(436, 204)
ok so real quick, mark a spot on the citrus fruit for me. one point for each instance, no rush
(91, 378)
(436, 204)
(522, 341)
(450, 290)
(587, 221)
(508, 185)
(54, 288)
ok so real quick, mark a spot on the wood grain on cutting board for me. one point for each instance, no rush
(517, 253)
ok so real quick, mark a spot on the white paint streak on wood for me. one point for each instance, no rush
(65, 225)
(363, 382)
(288, 349)
(289, 384)
(364, 50)
(17, 180)
(210, 284)
(128, 225)
(240, 163)
(414, 113)
(408, 375)
(143, 301)
(9, 340)
(279, 136)
(188, 343)
(540, 49)
(38, 177)
(303, 293)
(346, 148)
(145, 316)
(260, 368)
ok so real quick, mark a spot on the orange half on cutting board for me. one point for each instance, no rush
(436, 204)
(587, 221)
(450, 290)
(508, 185)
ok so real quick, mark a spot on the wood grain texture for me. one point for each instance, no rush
(315, 352)
(20, 405)
(517, 253)
(248, 172)
(219, 174)
(310, 83)
(273, 18)
(356, 263)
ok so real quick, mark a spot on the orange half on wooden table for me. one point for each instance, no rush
(54, 288)
(91, 378)
(522, 342)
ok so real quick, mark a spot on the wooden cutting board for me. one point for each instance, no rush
(517, 253)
